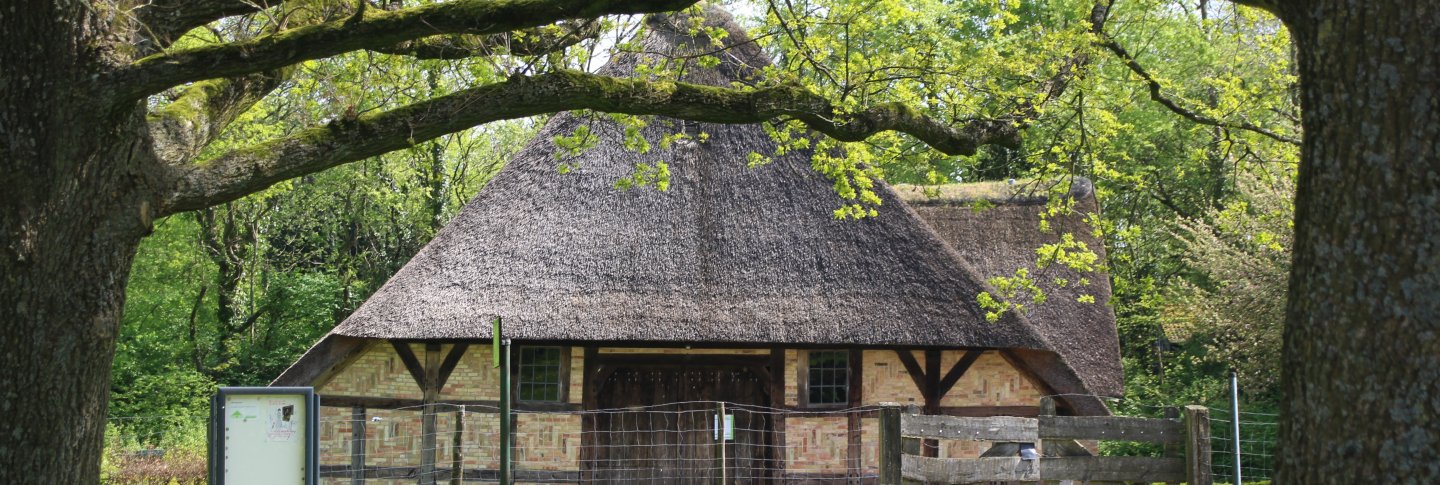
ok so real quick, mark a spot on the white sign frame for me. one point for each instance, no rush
(264, 435)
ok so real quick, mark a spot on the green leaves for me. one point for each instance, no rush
(646, 175)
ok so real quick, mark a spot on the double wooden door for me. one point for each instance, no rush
(667, 424)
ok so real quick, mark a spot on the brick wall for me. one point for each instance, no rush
(991, 381)
(552, 441)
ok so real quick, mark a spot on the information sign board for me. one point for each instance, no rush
(264, 435)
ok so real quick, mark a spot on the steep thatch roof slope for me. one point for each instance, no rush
(728, 254)
(996, 227)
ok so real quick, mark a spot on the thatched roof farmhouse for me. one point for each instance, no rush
(730, 265)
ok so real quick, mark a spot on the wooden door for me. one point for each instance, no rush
(659, 426)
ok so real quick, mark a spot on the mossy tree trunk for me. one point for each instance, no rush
(75, 200)
(1362, 340)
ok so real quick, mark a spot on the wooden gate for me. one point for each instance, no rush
(663, 424)
(1044, 449)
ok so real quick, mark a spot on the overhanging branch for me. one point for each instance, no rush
(181, 129)
(1158, 95)
(371, 28)
(534, 42)
(244, 171)
(163, 21)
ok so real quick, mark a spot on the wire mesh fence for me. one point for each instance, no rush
(1258, 435)
(684, 442)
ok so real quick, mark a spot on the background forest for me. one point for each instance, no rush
(1186, 121)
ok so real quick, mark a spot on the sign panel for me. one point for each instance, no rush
(264, 435)
(727, 428)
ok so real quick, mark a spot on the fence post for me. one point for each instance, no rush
(1235, 421)
(889, 443)
(1197, 445)
(357, 445)
(457, 467)
(1173, 450)
(720, 441)
(1048, 448)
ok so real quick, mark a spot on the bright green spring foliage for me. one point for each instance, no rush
(232, 295)
(956, 61)
(1157, 172)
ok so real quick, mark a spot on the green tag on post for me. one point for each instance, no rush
(495, 342)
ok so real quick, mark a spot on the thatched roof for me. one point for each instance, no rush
(996, 227)
(729, 254)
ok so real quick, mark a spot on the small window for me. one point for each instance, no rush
(828, 377)
(539, 376)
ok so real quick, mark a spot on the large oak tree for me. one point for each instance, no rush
(90, 159)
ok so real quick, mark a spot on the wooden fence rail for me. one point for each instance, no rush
(1046, 448)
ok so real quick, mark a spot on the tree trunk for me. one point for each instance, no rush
(74, 205)
(1362, 336)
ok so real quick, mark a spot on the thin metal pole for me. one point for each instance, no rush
(505, 450)
(1235, 420)
(723, 429)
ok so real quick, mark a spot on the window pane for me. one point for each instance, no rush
(538, 375)
(829, 377)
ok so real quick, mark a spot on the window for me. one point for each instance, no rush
(540, 375)
(828, 377)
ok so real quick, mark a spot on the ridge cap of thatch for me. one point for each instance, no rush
(999, 192)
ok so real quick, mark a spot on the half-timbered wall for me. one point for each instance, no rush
(817, 441)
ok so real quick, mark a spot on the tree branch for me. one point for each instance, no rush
(163, 21)
(1158, 96)
(203, 110)
(534, 42)
(368, 28)
(244, 171)
(1073, 67)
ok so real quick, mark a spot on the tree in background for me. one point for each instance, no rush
(1242, 253)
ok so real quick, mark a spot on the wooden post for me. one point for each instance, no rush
(1197, 445)
(777, 426)
(1048, 447)
(853, 424)
(457, 466)
(890, 443)
(1173, 450)
(431, 391)
(910, 446)
(357, 446)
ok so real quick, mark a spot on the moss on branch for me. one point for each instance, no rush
(243, 171)
(373, 29)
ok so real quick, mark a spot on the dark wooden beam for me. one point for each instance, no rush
(932, 381)
(428, 430)
(912, 368)
(330, 356)
(854, 433)
(412, 364)
(931, 447)
(452, 359)
(687, 360)
(588, 402)
(777, 401)
(957, 371)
